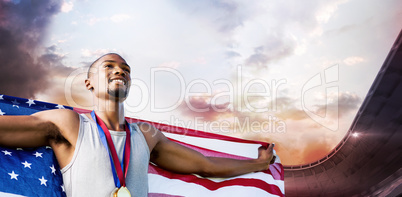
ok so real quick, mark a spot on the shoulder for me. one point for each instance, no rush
(145, 127)
(65, 121)
(65, 126)
(152, 135)
(57, 114)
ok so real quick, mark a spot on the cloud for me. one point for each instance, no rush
(303, 147)
(342, 29)
(118, 18)
(339, 105)
(286, 109)
(23, 26)
(202, 107)
(345, 103)
(199, 60)
(279, 41)
(52, 60)
(67, 6)
(67, 83)
(299, 138)
(30, 70)
(92, 20)
(223, 15)
(327, 11)
(271, 27)
(172, 64)
(95, 53)
(232, 54)
(353, 60)
(275, 49)
(307, 15)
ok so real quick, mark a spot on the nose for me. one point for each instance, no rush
(118, 71)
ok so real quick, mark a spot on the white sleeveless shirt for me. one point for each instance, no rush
(89, 172)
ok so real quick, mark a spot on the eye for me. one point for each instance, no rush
(108, 66)
(126, 69)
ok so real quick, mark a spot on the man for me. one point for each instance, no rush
(100, 154)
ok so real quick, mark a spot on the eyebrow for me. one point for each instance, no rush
(112, 61)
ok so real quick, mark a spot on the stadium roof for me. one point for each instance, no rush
(368, 161)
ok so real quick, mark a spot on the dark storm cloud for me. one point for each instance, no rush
(22, 28)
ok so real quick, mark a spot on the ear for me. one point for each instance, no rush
(88, 85)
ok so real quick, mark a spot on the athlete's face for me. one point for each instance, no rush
(110, 77)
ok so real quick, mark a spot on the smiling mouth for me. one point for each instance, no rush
(118, 81)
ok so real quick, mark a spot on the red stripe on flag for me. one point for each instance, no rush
(81, 111)
(277, 171)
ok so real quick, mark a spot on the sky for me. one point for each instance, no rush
(290, 72)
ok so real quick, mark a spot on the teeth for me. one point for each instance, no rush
(119, 81)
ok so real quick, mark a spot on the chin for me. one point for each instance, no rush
(118, 93)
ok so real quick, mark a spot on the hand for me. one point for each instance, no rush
(267, 154)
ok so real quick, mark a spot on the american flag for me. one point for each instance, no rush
(43, 178)
(28, 172)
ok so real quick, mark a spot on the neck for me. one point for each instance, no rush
(112, 114)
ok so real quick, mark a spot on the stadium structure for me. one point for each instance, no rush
(368, 160)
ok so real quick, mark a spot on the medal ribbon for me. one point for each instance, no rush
(118, 175)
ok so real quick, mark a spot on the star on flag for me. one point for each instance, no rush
(6, 152)
(30, 102)
(37, 154)
(60, 106)
(43, 181)
(26, 164)
(53, 169)
(13, 175)
(28, 171)
(15, 103)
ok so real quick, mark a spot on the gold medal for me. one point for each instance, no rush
(123, 192)
(114, 192)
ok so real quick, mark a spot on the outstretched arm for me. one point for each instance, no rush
(34, 130)
(57, 128)
(177, 158)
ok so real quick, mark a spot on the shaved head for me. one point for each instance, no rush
(109, 75)
(89, 74)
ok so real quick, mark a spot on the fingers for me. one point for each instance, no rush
(271, 147)
(271, 150)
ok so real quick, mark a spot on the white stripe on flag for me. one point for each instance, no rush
(242, 149)
(2, 194)
(163, 185)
